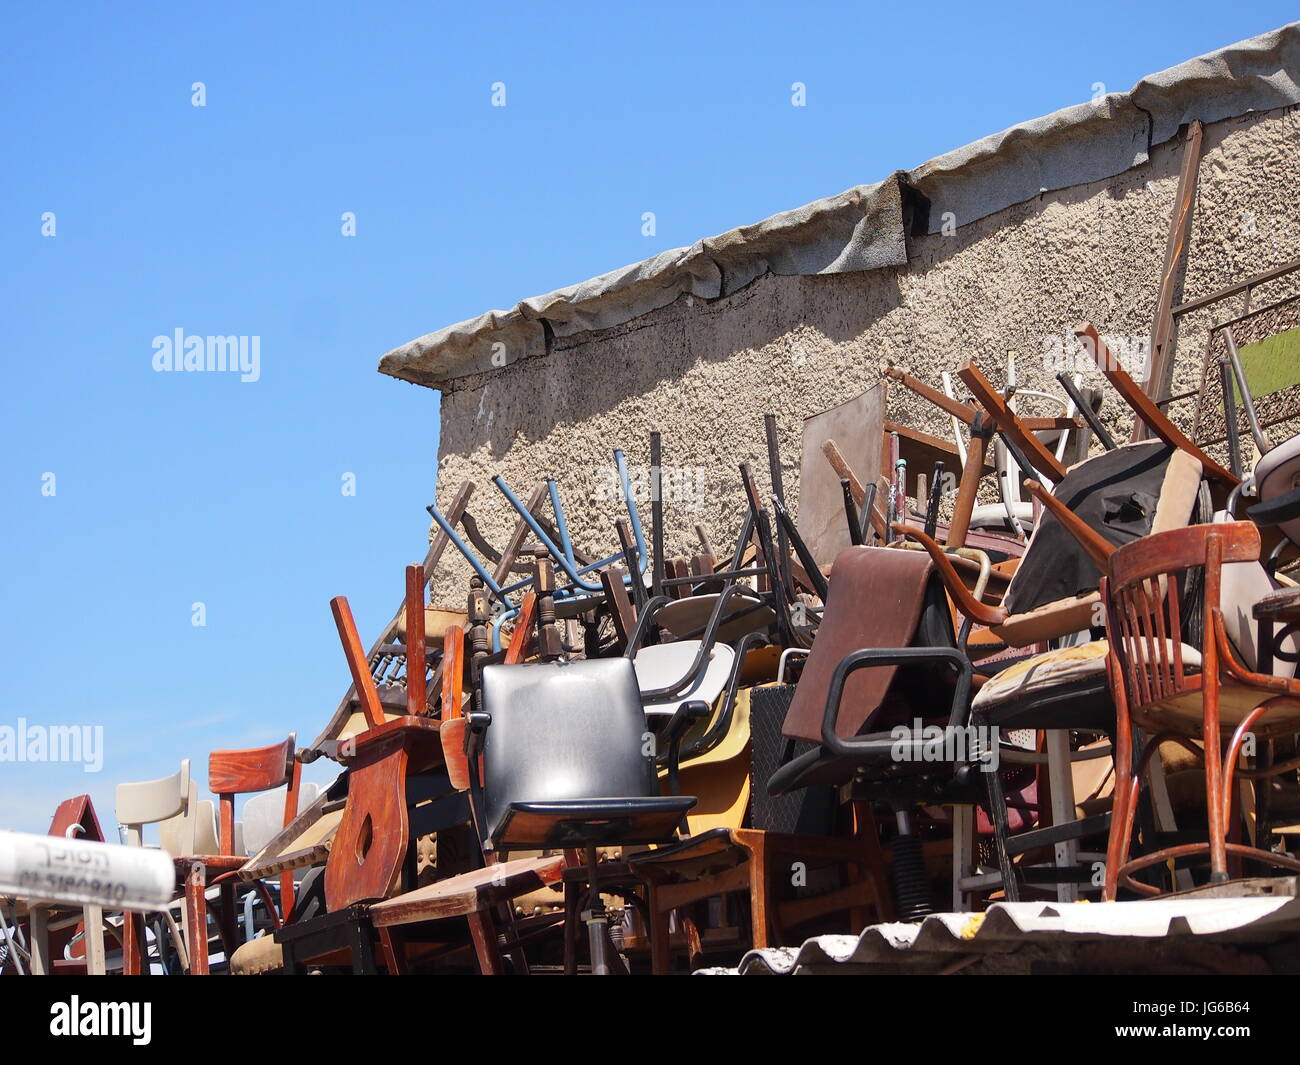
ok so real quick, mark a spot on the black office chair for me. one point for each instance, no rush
(568, 762)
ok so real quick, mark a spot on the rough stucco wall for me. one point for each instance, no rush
(704, 373)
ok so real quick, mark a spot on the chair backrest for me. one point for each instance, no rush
(193, 831)
(1276, 474)
(1145, 605)
(264, 815)
(1131, 492)
(878, 598)
(564, 730)
(232, 773)
(148, 802)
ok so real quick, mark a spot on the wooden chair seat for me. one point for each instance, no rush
(1183, 713)
(469, 893)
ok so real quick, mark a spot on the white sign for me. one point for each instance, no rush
(78, 873)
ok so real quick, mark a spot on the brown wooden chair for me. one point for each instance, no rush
(232, 773)
(1176, 692)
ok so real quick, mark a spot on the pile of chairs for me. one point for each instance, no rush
(1076, 682)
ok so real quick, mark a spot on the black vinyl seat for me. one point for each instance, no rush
(568, 759)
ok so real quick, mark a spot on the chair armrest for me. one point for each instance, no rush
(890, 656)
(1275, 511)
(980, 613)
(683, 717)
(475, 729)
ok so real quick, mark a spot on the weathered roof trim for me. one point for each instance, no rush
(862, 228)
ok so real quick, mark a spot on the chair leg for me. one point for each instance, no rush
(1125, 781)
(1214, 785)
(876, 870)
(760, 893)
(94, 921)
(229, 920)
(963, 851)
(998, 815)
(41, 960)
(363, 948)
(196, 918)
(1061, 786)
(572, 901)
(391, 946)
(132, 943)
(661, 961)
(484, 933)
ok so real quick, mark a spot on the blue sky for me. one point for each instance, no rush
(175, 489)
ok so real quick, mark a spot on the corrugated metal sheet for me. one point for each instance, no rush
(950, 940)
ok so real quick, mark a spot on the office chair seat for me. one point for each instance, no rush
(581, 822)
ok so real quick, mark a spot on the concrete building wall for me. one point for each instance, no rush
(704, 372)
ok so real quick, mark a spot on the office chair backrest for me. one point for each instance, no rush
(878, 598)
(571, 730)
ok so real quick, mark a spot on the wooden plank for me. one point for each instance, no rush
(992, 401)
(1162, 363)
(416, 696)
(1146, 410)
(358, 664)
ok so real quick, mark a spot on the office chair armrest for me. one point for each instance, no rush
(683, 717)
(1275, 511)
(477, 722)
(890, 656)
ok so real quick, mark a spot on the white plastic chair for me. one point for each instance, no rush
(183, 823)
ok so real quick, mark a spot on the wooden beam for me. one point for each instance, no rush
(844, 471)
(416, 695)
(991, 400)
(358, 663)
(1162, 348)
(1155, 419)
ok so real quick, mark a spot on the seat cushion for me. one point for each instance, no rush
(1043, 671)
(666, 663)
(257, 956)
(1278, 473)
(1052, 669)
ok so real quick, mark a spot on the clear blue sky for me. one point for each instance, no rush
(225, 220)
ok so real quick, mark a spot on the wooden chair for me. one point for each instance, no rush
(232, 773)
(1173, 691)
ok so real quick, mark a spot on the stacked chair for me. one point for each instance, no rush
(1080, 684)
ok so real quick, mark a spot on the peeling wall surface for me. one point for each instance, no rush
(703, 372)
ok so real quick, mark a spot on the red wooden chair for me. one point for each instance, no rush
(1176, 692)
(232, 773)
